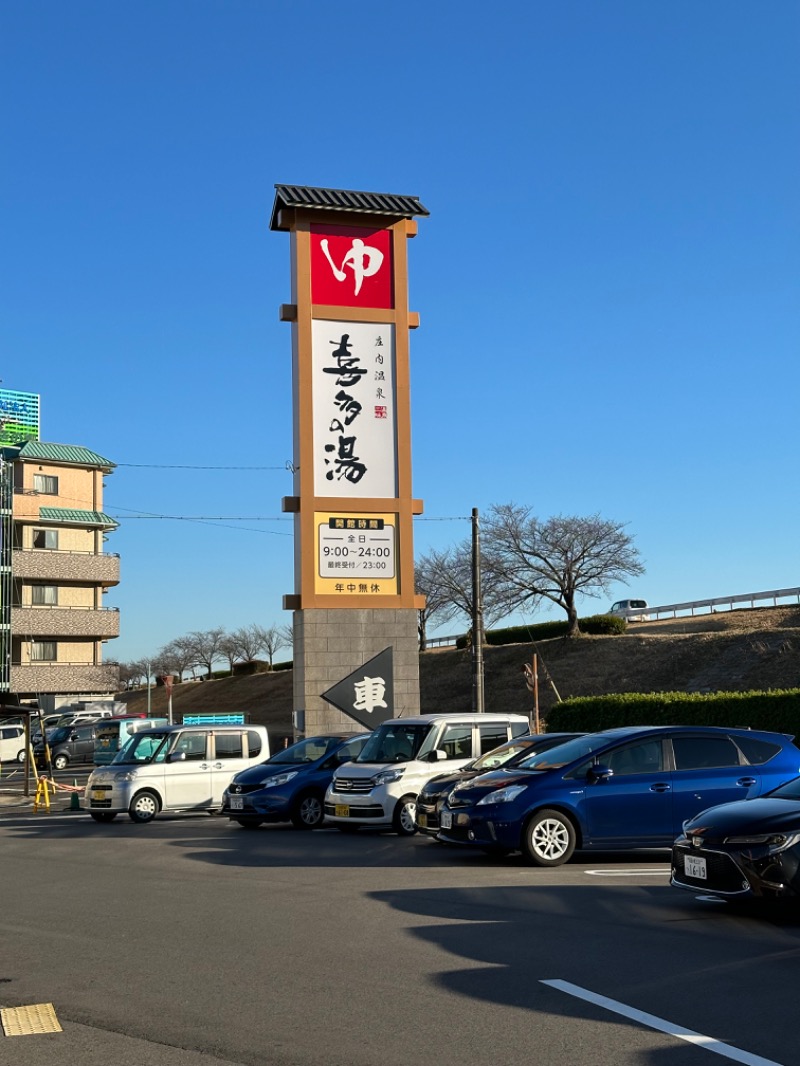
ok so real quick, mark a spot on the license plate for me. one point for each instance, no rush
(237, 803)
(695, 867)
(422, 820)
(446, 820)
(341, 810)
(98, 794)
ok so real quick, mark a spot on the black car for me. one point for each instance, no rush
(68, 744)
(507, 755)
(746, 850)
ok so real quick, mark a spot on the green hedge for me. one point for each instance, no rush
(777, 710)
(597, 625)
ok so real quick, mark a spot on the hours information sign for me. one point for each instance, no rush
(355, 547)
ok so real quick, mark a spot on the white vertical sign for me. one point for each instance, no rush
(354, 418)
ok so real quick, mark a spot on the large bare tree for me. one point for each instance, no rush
(557, 559)
(438, 605)
(449, 572)
(206, 647)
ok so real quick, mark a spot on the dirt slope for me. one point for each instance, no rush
(734, 650)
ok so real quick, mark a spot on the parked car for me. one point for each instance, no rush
(434, 793)
(112, 734)
(78, 717)
(622, 788)
(380, 787)
(12, 743)
(173, 768)
(290, 786)
(631, 610)
(68, 744)
(745, 850)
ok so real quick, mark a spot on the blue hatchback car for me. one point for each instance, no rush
(290, 786)
(622, 788)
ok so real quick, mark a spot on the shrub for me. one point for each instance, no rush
(777, 710)
(252, 666)
(594, 625)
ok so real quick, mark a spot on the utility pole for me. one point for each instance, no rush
(477, 618)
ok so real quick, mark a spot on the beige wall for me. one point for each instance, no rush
(69, 539)
(68, 596)
(82, 652)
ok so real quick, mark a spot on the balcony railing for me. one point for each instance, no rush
(64, 677)
(45, 565)
(99, 623)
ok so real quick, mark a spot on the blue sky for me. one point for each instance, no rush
(607, 283)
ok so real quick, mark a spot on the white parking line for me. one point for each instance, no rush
(708, 1043)
(628, 873)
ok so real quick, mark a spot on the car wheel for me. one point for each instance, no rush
(308, 811)
(61, 762)
(103, 816)
(248, 823)
(21, 756)
(405, 814)
(548, 838)
(144, 806)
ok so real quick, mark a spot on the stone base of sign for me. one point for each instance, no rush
(331, 643)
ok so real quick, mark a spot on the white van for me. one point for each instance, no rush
(173, 768)
(12, 743)
(630, 610)
(381, 785)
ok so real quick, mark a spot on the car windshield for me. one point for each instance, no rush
(394, 742)
(563, 754)
(789, 791)
(56, 736)
(144, 748)
(500, 756)
(308, 750)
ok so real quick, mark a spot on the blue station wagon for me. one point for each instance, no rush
(622, 788)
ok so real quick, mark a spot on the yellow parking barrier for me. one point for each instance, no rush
(43, 793)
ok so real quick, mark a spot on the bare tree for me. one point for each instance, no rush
(179, 655)
(206, 647)
(271, 640)
(287, 636)
(248, 641)
(130, 674)
(450, 573)
(438, 605)
(229, 648)
(557, 559)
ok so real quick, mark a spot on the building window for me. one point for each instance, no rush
(43, 651)
(44, 595)
(45, 538)
(46, 484)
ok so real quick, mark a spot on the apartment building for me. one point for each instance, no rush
(54, 571)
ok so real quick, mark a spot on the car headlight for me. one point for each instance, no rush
(502, 795)
(387, 776)
(125, 775)
(775, 841)
(278, 779)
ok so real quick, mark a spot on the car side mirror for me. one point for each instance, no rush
(73, 736)
(176, 756)
(438, 754)
(598, 774)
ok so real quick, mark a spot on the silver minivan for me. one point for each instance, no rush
(173, 768)
(380, 787)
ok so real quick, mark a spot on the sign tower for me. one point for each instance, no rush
(354, 557)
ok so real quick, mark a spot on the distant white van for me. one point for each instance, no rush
(173, 768)
(631, 610)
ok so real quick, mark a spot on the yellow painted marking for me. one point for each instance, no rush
(23, 1021)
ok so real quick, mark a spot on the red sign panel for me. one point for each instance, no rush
(351, 267)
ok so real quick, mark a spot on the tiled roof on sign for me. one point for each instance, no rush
(72, 517)
(61, 453)
(365, 203)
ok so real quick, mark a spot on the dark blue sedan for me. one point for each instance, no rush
(290, 786)
(622, 788)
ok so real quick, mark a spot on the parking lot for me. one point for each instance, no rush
(158, 944)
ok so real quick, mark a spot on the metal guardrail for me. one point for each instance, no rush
(671, 609)
(720, 601)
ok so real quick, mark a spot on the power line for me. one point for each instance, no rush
(174, 466)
